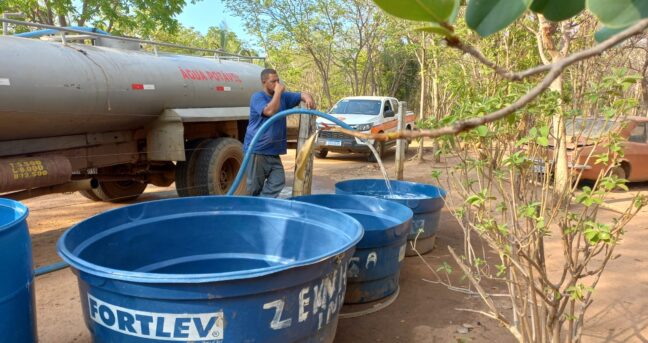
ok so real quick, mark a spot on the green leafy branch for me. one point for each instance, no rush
(555, 70)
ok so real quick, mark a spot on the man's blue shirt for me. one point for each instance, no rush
(273, 140)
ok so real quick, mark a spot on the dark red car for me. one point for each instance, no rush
(582, 150)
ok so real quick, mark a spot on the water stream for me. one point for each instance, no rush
(382, 168)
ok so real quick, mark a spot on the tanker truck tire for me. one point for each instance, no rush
(89, 194)
(217, 164)
(119, 191)
(185, 169)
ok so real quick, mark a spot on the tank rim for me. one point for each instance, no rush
(145, 277)
(18, 207)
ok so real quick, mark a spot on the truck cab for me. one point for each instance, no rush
(369, 114)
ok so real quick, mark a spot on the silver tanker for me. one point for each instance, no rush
(50, 89)
(111, 120)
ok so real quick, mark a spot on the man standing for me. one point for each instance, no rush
(265, 174)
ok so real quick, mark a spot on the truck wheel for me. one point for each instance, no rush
(89, 194)
(618, 171)
(380, 149)
(184, 169)
(322, 153)
(217, 164)
(119, 191)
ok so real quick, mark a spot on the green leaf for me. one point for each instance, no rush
(445, 267)
(489, 16)
(478, 199)
(616, 14)
(605, 33)
(438, 11)
(501, 269)
(437, 30)
(597, 232)
(482, 130)
(557, 10)
(542, 141)
(533, 132)
(640, 201)
(455, 12)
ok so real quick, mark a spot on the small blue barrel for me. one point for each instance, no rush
(426, 201)
(17, 310)
(212, 269)
(374, 270)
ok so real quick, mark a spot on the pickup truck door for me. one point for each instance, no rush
(389, 115)
(394, 104)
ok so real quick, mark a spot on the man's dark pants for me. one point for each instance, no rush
(265, 176)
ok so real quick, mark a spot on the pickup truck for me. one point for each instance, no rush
(369, 114)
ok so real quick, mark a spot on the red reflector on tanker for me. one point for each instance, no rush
(140, 86)
(222, 89)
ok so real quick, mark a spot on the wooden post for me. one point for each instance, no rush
(307, 126)
(401, 143)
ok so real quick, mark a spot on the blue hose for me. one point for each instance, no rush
(50, 268)
(45, 32)
(265, 126)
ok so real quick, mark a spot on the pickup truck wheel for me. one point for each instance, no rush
(119, 191)
(322, 153)
(184, 169)
(380, 149)
(217, 164)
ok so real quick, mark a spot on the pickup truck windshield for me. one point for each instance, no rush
(590, 128)
(368, 107)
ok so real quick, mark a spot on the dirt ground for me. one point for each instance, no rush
(423, 312)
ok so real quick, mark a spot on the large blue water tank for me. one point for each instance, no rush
(426, 201)
(17, 310)
(374, 269)
(212, 269)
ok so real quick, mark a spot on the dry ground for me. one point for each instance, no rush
(423, 312)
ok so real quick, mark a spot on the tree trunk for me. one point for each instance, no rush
(644, 88)
(50, 14)
(397, 80)
(436, 108)
(84, 14)
(561, 170)
(62, 20)
(423, 67)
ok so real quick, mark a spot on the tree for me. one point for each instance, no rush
(359, 47)
(312, 25)
(495, 174)
(133, 16)
(213, 40)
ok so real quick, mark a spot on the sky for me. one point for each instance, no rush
(207, 13)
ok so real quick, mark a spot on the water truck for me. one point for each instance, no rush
(83, 110)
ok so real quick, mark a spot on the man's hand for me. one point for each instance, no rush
(275, 104)
(279, 88)
(308, 100)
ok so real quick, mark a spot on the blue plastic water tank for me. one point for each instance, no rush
(426, 201)
(374, 269)
(212, 269)
(17, 310)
